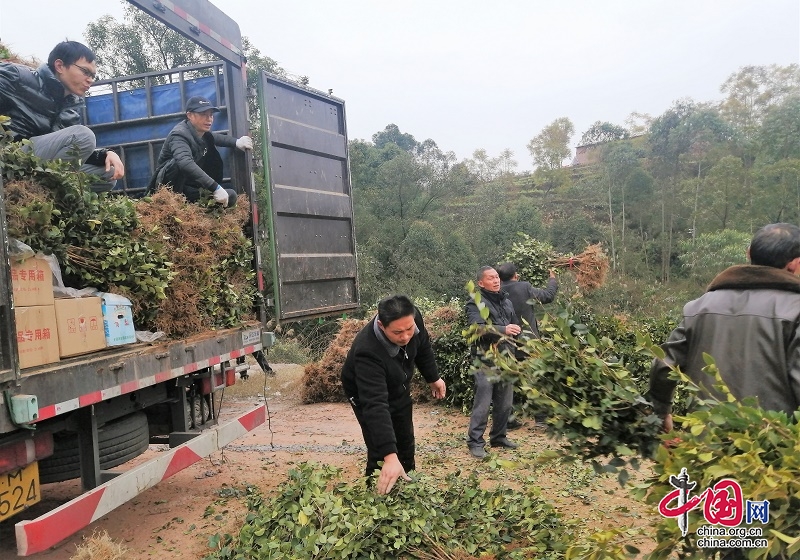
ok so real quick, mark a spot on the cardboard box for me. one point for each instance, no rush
(32, 282)
(37, 335)
(80, 325)
(117, 320)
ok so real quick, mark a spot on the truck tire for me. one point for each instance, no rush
(120, 441)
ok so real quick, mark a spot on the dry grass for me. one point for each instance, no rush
(100, 547)
(322, 379)
(195, 239)
(590, 267)
(13, 57)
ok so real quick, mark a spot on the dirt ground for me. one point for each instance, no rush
(175, 519)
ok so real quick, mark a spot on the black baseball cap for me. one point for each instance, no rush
(199, 104)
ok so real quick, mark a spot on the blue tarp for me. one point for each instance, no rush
(130, 129)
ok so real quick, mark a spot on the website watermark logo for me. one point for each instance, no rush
(728, 514)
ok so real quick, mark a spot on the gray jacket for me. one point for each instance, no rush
(36, 101)
(749, 322)
(188, 161)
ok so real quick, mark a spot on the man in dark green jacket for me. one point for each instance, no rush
(377, 381)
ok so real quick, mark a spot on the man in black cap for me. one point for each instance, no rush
(189, 161)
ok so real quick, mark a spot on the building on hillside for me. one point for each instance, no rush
(590, 154)
(586, 155)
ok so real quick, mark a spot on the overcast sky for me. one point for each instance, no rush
(472, 74)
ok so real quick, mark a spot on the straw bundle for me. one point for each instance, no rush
(590, 267)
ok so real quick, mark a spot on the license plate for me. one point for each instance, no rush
(19, 489)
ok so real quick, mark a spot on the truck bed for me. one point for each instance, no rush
(83, 380)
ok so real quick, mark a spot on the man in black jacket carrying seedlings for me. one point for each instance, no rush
(377, 381)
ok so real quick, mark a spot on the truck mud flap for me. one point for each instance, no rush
(37, 535)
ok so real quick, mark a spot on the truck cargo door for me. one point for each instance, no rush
(312, 241)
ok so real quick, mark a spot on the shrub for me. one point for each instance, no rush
(734, 440)
(590, 399)
(317, 515)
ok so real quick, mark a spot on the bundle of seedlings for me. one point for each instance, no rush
(534, 259)
(213, 283)
(722, 441)
(590, 266)
(317, 514)
(95, 239)
(322, 379)
(185, 267)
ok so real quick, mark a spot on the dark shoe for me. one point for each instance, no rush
(504, 442)
(478, 452)
(513, 424)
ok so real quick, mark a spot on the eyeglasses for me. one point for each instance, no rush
(86, 72)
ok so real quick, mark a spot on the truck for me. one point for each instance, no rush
(85, 415)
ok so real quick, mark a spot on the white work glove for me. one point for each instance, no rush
(221, 196)
(244, 143)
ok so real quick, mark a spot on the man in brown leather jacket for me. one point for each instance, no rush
(749, 322)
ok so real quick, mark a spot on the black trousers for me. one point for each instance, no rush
(403, 425)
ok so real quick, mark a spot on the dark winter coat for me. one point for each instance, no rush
(35, 101)
(377, 378)
(521, 292)
(501, 314)
(749, 322)
(189, 162)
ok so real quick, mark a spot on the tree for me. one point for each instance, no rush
(638, 123)
(602, 132)
(711, 253)
(396, 191)
(138, 45)
(501, 226)
(506, 162)
(753, 90)
(257, 62)
(725, 189)
(639, 209)
(618, 161)
(780, 133)
(686, 128)
(573, 233)
(142, 44)
(776, 192)
(431, 262)
(551, 146)
(392, 134)
(483, 167)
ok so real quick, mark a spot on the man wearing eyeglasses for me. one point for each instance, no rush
(45, 107)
